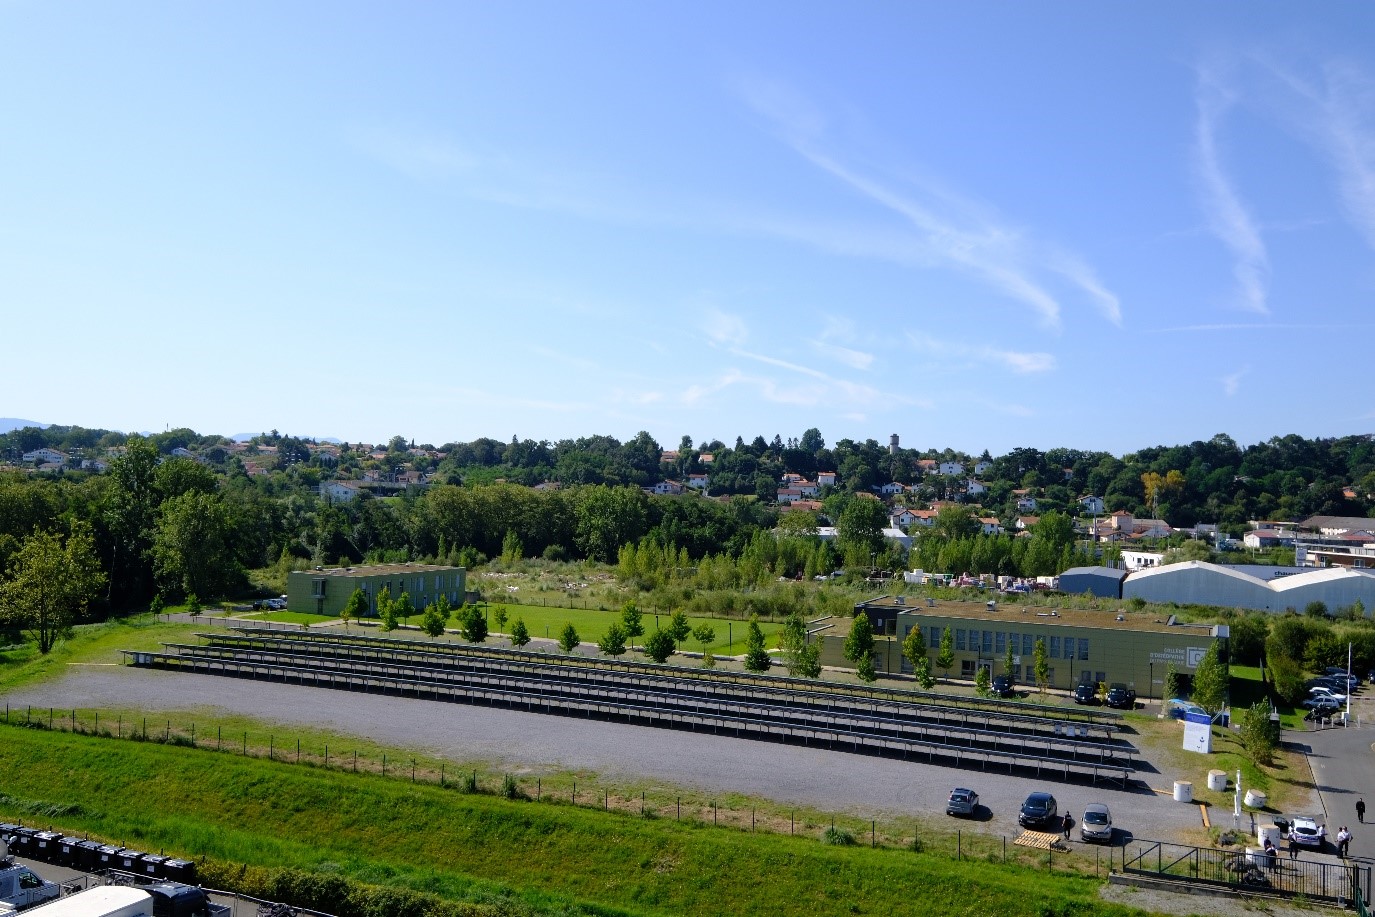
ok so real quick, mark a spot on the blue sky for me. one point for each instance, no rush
(979, 225)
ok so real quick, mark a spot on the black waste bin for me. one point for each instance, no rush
(152, 865)
(68, 854)
(22, 845)
(43, 847)
(107, 856)
(180, 871)
(87, 855)
(7, 832)
(129, 861)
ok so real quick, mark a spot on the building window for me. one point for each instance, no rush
(1069, 647)
(967, 668)
(1100, 677)
(1001, 642)
(1083, 649)
(1050, 677)
(988, 641)
(1054, 647)
(959, 638)
(935, 641)
(1028, 644)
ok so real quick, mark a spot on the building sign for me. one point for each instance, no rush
(1198, 732)
(1187, 656)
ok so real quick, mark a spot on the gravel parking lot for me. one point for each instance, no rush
(518, 742)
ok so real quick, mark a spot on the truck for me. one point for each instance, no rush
(162, 899)
(21, 887)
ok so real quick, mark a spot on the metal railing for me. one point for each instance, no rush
(1312, 876)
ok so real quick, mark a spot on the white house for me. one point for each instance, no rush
(1026, 504)
(974, 488)
(904, 519)
(980, 467)
(666, 488)
(951, 468)
(697, 481)
(1026, 522)
(45, 455)
(892, 488)
(825, 479)
(339, 491)
(1092, 505)
(990, 525)
(183, 452)
(95, 465)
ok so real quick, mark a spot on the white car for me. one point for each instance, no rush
(1096, 825)
(1320, 691)
(1307, 832)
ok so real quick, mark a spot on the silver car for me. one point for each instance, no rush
(962, 802)
(1096, 825)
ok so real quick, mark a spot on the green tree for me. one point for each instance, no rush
(436, 617)
(632, 619)
(1259, 736)
(156, 605)
(756, 657)
(403, 607)
(612, 642)
(193, 605)
(914, 648)
(511, 548)
(500, 616)
(679, 628)
(946, 657)
(520, 634)
(1210, 680)
(660, 645)
(923, 675)
(705, 634)
(801, 658)
(472, 624)
(865, 669)
(50, 584)
(384, 604)
(982, 681)
(1287, 677)
(193, 546)
(1174, 682)
(388, 617)
(355, 607)
(1008, 663)
(568, 638)
(859, 643)
(1041, 664)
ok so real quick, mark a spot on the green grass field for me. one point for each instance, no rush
(556, 858)
(591, 625)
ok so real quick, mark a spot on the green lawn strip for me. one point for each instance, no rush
(272, 814)
(288, 617)
(90, 644)
(591, 625)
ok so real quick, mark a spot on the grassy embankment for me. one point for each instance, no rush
(464, 846)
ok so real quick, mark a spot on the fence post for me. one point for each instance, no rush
(959, 845)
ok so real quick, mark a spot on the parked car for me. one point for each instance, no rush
(1121, 696)
(962, 802)
(1039, 811)
(1322, 702)
(1085, 693)
(1320, 691)
(1306, 831)
(1096, 825)
(1003, 686)
(1337, 671)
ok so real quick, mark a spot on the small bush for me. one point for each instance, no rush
(510, 789)
(469, 782)
(837, 837)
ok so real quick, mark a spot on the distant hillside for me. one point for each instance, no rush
(14, 423)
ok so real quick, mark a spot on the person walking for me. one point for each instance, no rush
(1293, 847)
(1343, 842)
(1069, 823)
(1360, 810)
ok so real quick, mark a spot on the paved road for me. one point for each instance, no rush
(1344, 768)
(530, 743)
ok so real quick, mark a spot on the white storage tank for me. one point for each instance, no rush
(1183, 791)
(1217, 780)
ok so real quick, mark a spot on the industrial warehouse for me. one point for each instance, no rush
(1252, 587)
(1104, 646)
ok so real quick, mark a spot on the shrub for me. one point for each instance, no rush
(837, 837)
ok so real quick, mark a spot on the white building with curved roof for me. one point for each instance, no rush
(1199, 583)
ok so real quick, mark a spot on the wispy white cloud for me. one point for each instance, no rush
(724, 328)
(1254, 326)
(948, 229)
(1231, 383)
(1226, 215)
(836, 329)
(1337, 115)
(1021, 362)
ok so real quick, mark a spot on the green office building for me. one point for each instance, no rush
(325, 590)
(1136, 648)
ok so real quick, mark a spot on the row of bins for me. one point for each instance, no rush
(93, 856)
